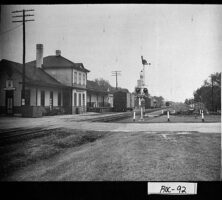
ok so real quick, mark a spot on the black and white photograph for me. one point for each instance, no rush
(110, 92)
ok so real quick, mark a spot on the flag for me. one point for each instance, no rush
(144, 62)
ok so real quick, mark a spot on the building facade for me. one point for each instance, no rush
(70, 74)
(98, 98)
(41, 90)
(52, 83)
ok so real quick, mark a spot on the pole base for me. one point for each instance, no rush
(202, 120)
(168, 120)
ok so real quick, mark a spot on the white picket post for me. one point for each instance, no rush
(168, 116)
(202, 116)
(141, 114)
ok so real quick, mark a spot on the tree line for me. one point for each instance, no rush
(209, 93)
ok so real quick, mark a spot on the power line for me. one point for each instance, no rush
(1, 33)
(116, 74)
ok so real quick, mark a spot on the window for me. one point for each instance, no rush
(80, 78)
(75, 97)
(79, 99)
(42, 98)
(59, 99)
(9, 83)
(84, 79)
(75, 77)
(51, 98)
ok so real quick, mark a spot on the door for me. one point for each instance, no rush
(9, 101)
(67, 101)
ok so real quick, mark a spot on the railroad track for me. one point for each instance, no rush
(117, 116)
(18, 133)
(111, 117)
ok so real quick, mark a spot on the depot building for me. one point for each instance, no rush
(53, 85)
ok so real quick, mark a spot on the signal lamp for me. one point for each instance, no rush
(145, 90)
(137, 90)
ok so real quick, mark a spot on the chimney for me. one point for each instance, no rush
(39, 55)
(58, 52)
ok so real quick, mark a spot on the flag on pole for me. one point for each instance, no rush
(144, 62)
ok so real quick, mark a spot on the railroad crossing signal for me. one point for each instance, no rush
(138, 91)
(145, 91)
(141, 92)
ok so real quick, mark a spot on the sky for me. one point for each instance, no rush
(183, 43)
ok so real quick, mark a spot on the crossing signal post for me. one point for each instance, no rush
(141, 93)
(141, 89)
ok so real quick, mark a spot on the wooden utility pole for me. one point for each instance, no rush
(23, 20)
(116, 74)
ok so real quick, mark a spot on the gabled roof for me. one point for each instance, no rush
(59, 62)
(33, 75)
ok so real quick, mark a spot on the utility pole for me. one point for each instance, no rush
(23, 20)
(116, 74)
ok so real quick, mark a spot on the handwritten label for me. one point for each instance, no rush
(178, 188)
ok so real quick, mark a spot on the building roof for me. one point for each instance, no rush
(59, 62)
(93, 86)
(113, 90)
(33, 75)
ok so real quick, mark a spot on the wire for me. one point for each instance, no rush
(10, 29)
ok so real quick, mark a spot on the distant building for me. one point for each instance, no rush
(97, 96)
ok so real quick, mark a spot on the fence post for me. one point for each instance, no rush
(168, 115)
(202, 116)
(141, 114)
(134, 115)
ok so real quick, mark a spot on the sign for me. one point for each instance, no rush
(172, 188)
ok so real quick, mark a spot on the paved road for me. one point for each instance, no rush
(71, 121)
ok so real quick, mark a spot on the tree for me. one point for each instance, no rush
(189, 101)
(159, 101)
(210, 92)
(103, 83)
